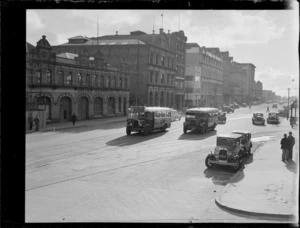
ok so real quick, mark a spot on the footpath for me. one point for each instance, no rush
(79, 124)
(270, 187)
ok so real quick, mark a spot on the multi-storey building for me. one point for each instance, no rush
(268, 95)
(258, 91)
(79, 83)
(204, 62)
(157, 60)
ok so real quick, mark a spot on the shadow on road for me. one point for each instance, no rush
(220, 175)
(134, 138)
(85, 128)
(291, 166)
(195, 135)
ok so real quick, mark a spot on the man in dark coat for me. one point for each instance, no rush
(73, 118)
(30, 121)
(37, 122)
(285, 145)
(291, 145)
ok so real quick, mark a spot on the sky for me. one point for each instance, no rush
(266, 38)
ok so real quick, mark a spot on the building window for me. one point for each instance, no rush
(120, 103)
(163, 61)
(94, 80)
(38, 77)
(151, 76)
(151, 58)
(69, 79)
(83, 80)
(48, 77)
(162, 78)
(88, 80)
(121, 81)
(79, 79)
(61, 80)
(156, 77)
(108, 82)
(156, 60)
(126, 85)
(101, 83)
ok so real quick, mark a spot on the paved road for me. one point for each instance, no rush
(99, 174)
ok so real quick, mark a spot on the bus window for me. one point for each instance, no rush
(148, 115)
(162, 114)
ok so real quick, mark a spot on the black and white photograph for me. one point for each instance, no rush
(162, 116)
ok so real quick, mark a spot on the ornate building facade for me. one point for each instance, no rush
(66, 83)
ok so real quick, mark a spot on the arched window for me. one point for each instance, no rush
(69, 79)
(61, 79)
(48, 77)
(162, 98)
(150, 99)
(108, 82)
(156, 99)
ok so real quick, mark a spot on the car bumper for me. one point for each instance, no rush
(218, 162)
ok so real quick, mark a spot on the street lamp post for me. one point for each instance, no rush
(137, 76)
(288, 113)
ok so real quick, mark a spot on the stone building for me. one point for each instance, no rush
(65, 83)
(257, 90)
(207, 72)
(157, 60)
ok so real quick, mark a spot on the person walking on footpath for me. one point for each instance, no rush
(37, 122)
(30, 121)
(73, 118)
(285, 148)
(291, 145)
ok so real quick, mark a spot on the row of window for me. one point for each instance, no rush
(168, 79)
(212, 73)
(82, 80)
(162, 61)
(213, 62)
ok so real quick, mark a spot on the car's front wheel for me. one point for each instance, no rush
(128, 131)
(207, 163)
(237, 166)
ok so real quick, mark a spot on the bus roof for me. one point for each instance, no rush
(202, 109)
(229, 135)
(241, 132)
(148, 109)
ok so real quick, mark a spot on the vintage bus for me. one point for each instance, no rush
(203, 119)
(148, 119)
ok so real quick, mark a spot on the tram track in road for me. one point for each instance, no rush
(154, 158)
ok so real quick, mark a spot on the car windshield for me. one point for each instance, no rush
(136, 115)
(196, 115)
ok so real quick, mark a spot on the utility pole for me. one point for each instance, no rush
(288, 103)
(137, 76)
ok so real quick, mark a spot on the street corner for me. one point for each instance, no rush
(267, 200)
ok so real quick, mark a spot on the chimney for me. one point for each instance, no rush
(161, 30)
(116, 33)
(44, 37)
(168, 31)
(153, 31)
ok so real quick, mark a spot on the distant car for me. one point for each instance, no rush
(274, 106)
(244, 105)
(273, 118)
(282, 112)
(236, 105)
(232, 106)
(175, 115)
(228, 152)
(227, 109)
(258, 118)
(222, 117)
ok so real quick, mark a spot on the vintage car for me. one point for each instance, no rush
(222, 117)
(236, 105)
(273, 118)
(244, 105)
(274, 106)
(258, 118)
(246, 140)
(232, 106)
(228, 152)
(227, 109)
(175, 115)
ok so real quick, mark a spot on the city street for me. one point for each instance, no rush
(99, 174)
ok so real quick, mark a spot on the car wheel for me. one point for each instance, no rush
(165, 127)
(207, 163)
(184, 130)
(238, 165)
(128, 131)
(180, 118)
(249, 151)
(146, 131)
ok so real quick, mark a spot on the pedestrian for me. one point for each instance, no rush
(37, 122)
(291, 145)
(30, 121)
(268, 110)
(73, 118)
(285, 148)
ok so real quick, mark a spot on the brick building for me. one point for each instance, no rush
(74, 82)
(157, 60)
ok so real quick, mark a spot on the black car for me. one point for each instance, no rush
(222, 117)
(227, 109)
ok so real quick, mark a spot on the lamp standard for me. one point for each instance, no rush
(288, 113)
(137, 76)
